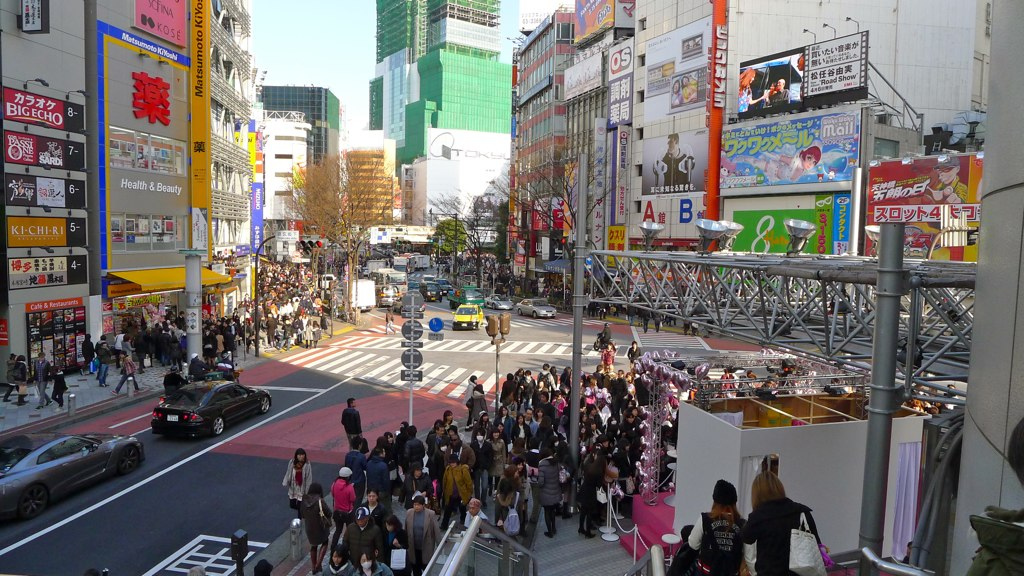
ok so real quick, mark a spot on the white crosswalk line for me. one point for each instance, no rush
(345, 357)
(303, 354)
(308, 359)
(447, 379)
(360, 341)
(549, 348)
(386, 367)
(486, 379)
(327, 358)
(428, 379)
(337, 358)
(359, 358)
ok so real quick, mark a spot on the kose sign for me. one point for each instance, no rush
(21, 106)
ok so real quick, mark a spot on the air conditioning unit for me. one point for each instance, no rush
(883, 118)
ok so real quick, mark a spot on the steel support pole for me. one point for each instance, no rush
(92, 149)
(885, 395)
(996, 400)
(579, 302)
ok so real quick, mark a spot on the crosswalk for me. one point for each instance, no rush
(372, 358)
(517, 322)
(652, 340)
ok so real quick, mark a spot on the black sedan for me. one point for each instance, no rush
(36, 469)
(431, 292)
(207, 408)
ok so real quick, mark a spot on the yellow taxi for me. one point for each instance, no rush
(468, 316)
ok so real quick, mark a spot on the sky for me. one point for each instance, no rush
(331, 43)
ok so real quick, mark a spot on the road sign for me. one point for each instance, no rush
(412, 358)
(413, 343)
(436, 324)
(412, 330)
(412, 375)
(412, 300)
(409, 313)
(435, 336)
(589, 261)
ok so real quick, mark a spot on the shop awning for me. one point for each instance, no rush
(560, 266)
(162, 279)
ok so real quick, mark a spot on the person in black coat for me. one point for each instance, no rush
(395, 538)
(773, 517)
(88, 353)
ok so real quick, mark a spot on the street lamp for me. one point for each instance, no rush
(806, 31)
(256, 296)
(848, 19)
(834, 31)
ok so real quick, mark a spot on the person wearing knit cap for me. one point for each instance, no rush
(716, 536)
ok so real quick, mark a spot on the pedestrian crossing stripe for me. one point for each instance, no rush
(461, 346)
(517, 322)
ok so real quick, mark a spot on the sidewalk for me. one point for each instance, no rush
(91, 400)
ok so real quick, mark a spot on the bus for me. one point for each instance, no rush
(385, 276)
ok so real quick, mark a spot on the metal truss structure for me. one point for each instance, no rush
(823, 306)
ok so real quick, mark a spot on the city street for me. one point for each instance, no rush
(181, 506)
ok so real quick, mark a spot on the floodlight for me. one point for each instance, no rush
(799, 232)
(650, 230)
(710, 230)
(733, 230)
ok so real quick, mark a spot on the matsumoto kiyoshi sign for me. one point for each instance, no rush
(21, 106)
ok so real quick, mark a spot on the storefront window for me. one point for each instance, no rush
(142, 151)
(58, 334)
(147, 232)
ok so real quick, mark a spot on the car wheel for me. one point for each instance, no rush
(33, 501)
(264, 405)
(535, 315)
(218, 426)
(128, 460)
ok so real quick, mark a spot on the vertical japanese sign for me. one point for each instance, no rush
(599, 193)
(716, 104)
(199, 126)
(620, 176)
(620, 84)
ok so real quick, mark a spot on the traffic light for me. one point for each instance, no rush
(309, 246)
(492, 325)
(505, 323)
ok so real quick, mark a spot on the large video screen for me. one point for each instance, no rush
(771, 85)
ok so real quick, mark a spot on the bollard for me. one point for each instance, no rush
(130, 385)
(295, 537)
(72, 404)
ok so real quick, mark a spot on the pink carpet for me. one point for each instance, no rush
(653, 522)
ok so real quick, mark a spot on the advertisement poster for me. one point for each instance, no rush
(32, 150)
(40, 191)
(921, 193)
(165, 20)
(805, 150)
(584, 76)
(771, 85)
(21, 106)
(836, 65)
(677, 71)
(593, 16)
(676, 163)
(764, 231)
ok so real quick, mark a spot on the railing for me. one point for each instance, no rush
(651, 564)
(441, 553)
(892, 568)
(466, 552)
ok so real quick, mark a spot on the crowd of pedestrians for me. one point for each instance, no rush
(292, 311)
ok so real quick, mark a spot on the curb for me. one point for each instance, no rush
(345, 329)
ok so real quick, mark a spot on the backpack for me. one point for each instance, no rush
(512, 520)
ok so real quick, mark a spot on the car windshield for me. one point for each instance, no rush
(11, 455)
(431, 287)
(465, 311)
(539, 302)
(473, 294)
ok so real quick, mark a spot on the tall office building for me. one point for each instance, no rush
(320, 108)
(438, 69)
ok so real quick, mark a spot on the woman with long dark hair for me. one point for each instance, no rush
(716, 535)
(297, 479)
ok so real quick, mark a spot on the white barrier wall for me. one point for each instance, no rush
(821, 465)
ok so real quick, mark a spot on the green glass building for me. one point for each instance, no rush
(322, 110)
(437, 67)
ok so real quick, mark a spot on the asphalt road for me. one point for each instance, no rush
(189, 496)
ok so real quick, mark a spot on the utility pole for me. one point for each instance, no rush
(92, 155)
(579, 302)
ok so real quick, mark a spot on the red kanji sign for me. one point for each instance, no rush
(151, 98)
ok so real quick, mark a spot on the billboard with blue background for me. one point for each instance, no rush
(803, 149)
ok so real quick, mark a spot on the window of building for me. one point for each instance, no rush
(147, 232)
(148, 152)
(642, 24)
(639, 133)
(887, 148)
(639, 95)
(283, 156)
(641, 60)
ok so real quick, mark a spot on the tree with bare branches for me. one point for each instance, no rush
(476, 226)
(341, 198)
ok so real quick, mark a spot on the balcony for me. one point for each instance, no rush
(228, 206)
(229, 153)
(224, 93)
(230, 51)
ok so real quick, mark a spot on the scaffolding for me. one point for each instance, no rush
(823, 306)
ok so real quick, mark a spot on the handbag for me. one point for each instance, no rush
(398, 556)
(602, 495)
(804, 554)
(326, 520)
(22, 389)
(630, 485)
(293, 503)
